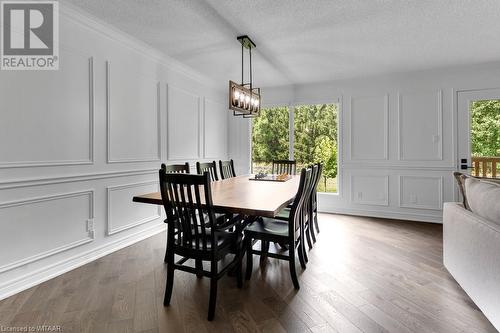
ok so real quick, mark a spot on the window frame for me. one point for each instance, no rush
(291, 134)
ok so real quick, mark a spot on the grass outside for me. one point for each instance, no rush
(331, 183)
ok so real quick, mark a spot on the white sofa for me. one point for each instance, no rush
(472, 255)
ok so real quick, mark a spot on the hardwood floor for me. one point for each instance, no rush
(364, 275)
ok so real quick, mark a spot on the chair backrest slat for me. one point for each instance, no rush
(226, 169)
(284, 166)
(176, 168)
(210, 167)
(190, 215)
(298, 203)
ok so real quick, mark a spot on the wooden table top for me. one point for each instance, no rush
(240, 195)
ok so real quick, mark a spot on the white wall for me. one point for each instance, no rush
(397, 138)
(78, 143)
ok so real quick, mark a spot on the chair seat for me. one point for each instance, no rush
(268, 226)
(225, 238)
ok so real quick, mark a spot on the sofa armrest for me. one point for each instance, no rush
(454, 210)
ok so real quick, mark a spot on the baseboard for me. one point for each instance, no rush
(31, 279)
(386, 214)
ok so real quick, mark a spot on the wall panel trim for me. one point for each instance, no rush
(386, 132)
(90, 160)
(439, 119)
(39, 256)
(10, 184)
(439, 205)
(113, 230)
(110, 160)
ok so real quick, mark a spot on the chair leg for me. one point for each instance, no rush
(239, 258)
(311, 227)
(264, 247)
(199, 268)
(170, 284)
(293, 272)
(249, 259)
(308, 235)
(301, 257)
(213, 291)
(316, 221)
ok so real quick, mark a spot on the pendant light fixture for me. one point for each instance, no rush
(244, 99)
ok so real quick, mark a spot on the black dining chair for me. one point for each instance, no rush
(227, 169)
(305, 217)
(284, 166)
(210, 167)
(314, 201)
(290, 233)
(193, 232)
(176, 168)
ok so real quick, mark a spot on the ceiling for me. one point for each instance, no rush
(304, 41)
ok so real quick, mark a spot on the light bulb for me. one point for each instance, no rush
(247, 98)
(242, 97)
(236, 94)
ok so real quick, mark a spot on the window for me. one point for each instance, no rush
(314, 139)
(270, 138)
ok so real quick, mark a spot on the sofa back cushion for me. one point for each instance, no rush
(483, 197)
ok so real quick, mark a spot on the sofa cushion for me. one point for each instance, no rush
(461, 177)
(483, 198)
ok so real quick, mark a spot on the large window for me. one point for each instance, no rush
(314, 139)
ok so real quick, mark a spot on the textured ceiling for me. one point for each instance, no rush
(302, 41)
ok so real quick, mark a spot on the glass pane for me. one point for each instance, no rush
(316, 141)
(270, 138)
(485, 138)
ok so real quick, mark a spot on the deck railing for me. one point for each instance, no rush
(486, 166)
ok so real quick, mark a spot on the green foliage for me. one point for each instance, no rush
(485, 128)
(312, 122)
(315, 136)
(325, 152)
(270, 135)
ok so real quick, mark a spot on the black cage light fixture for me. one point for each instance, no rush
(244, 99)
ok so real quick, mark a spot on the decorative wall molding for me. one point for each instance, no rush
(439, 120)
(45, 254)
(113, 230)
(386, 132)
(381, 202)
(439, 204)
(110, 160)
(169, 89)
(90, 160)
(387, 166)
(204, 127)
(19, 183)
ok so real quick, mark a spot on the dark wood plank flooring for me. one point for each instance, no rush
(364, 275)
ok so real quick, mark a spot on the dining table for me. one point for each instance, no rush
(243, 195)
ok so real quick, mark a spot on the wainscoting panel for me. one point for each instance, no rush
(421, 192)
(420, 126)
(215, 129)
(183, 124)
(133, 115)
(42, 126)
(369, 128)
(35, 228)
(124, 214)
(370, 189)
